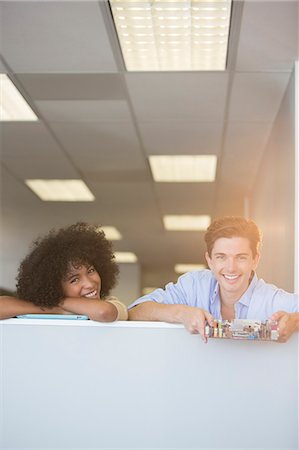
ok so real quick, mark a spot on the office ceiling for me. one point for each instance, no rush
(100, 123)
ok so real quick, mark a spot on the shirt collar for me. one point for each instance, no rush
(246, 297)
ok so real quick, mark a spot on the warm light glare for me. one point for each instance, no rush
(125, 257)
(61, 190)
(111, 233)
(13, 106)
(183, 168)
(186, 223)
(182, 35)
(183, 268)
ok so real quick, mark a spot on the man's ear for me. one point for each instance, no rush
(256, 260)
(208, 259)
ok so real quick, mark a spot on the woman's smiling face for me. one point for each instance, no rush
(232, 263)
(82, 281)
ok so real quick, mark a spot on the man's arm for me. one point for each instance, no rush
(288, 323)
(95, 309)
(12, 306)
(193, 319)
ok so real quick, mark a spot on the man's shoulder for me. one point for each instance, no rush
(198, 275)
(263, 288)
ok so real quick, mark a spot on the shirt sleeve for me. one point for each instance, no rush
(122, 311)
(268, 299)
(182, 292)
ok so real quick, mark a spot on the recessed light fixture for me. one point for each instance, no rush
(61, 190)
(182, 35)
(183, 168)
(111, 233)
(125, 257)
(183, 268)
(13, 106)
(186, 223)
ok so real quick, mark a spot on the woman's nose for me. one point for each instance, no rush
(87, 281)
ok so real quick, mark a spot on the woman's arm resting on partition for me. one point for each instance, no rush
(193, 319)
(98, 310)
(12, 306)
(288, 323)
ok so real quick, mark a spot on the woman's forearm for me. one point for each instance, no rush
(98, 310)
(12, 306)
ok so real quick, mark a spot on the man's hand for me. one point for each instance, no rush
(194, 320)
(288, 323)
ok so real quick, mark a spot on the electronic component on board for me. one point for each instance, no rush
(243, 329)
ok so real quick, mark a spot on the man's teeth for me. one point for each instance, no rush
(231, 277)
(91, 294)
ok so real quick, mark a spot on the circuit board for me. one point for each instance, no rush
(243, 329)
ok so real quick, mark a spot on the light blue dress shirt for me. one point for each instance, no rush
(201, 289)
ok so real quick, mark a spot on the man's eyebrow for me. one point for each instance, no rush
(238, 254)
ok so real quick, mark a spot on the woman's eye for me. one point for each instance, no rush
(74, 280)
(91, 270)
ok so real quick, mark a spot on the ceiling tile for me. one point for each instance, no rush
(185, 198)
(178, 96)
(29, 151)
(97, 146)
(243, 151)
(176, 138)
(84, 110)
(256, 97)
(73, 86)
(55, 37)
(268, 37)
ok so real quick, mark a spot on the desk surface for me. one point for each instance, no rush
(143, 385)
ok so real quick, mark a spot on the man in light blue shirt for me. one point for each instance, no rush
(229, 290)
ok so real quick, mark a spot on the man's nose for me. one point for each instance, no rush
(231, 264)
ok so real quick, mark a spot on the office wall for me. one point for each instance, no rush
(272, 199)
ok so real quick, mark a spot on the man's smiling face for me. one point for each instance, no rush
(232, 263)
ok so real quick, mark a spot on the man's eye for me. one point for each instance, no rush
(220, 257)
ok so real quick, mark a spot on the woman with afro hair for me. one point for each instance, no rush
(69, 271)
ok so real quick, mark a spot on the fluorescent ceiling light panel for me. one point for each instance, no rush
(111, 233)
(186, 223)
(125, 257)
(163, 35)
(13, 106)
(61, 190)
(183, 268)
(183, 168)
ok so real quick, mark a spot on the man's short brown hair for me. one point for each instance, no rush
(233, 226)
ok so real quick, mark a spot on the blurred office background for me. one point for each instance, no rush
(102, 124)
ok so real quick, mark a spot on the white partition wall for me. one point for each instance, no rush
(296, 268)
(296, 265)
(84, 385)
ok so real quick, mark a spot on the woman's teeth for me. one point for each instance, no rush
(91, 294)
